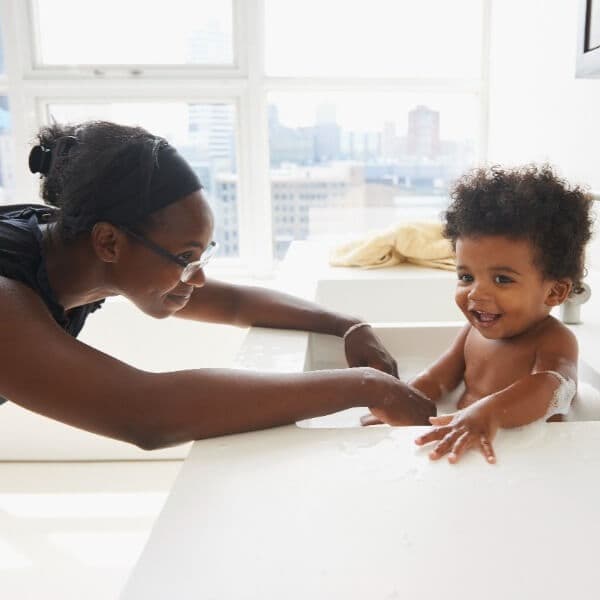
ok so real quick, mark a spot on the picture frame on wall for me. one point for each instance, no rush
(588, 39)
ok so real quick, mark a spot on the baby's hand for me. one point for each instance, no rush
(472, 427)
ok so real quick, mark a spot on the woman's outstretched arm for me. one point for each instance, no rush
(45, 370)
(248, 306)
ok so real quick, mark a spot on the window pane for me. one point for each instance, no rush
(345, 163)
(203, 133)
(137, 32)
(378, 38)
(7, 155)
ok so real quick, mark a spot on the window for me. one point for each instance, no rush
(375, 38)
(274, 103)
(180, 32)
(372, 133)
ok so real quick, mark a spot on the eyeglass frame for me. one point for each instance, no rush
(205, 257)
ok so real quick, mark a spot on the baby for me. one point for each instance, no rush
(519, 237)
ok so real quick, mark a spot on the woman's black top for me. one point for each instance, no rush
(22, 259)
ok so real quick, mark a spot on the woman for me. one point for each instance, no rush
(131, 220)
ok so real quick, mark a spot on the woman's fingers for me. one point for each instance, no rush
(486, 449)
(367, 420)
(441, 420)
(462, 444)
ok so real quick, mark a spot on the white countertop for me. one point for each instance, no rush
(355, 514)
(362, 513)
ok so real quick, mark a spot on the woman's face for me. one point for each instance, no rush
(151, 281)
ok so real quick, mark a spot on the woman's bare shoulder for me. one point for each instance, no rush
(19, 306)
(47, 371)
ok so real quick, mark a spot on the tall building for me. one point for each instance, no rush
(327, 134)
(423, 138)
(211, 152)
(390, 142)
(211, 138)
(211, 131)
(226, 215)
(287, 144)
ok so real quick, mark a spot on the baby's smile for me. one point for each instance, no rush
(485, 318)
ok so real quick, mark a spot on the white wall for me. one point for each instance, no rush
(539, 111)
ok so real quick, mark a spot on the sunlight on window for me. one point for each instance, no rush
(377, 38)
(137, 32)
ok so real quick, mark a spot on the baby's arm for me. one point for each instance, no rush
(446, 373)
(534, 396)
(527, 400)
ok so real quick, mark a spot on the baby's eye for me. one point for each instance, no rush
(502, 279)
(465, 277)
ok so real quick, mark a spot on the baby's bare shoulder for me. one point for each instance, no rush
(554, 332)
(557, 350)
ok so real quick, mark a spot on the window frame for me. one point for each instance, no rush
(38, 70)
(31, 87)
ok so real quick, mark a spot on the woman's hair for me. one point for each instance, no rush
(530, 203)
(95, 169)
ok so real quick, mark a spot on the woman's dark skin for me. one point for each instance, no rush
(47, 371)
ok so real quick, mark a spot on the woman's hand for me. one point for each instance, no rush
(471, 427)
(364, 349)
(396, 403)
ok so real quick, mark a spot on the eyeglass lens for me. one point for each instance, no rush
(192, 268)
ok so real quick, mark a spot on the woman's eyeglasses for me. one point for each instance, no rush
(190, 268)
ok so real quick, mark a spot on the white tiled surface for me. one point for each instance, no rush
(73, 530)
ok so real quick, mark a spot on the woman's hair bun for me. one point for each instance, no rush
(39, 159)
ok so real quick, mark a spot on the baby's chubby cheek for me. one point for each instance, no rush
(460, 300)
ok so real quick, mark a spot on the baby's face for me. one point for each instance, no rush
(500, 290)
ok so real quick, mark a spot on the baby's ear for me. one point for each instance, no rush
(559, 292)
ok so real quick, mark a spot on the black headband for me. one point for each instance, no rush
(142, 179)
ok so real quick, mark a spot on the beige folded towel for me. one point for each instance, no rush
(417, 243)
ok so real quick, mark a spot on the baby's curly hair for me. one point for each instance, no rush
(531, 203)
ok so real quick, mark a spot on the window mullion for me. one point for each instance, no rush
(254, 191)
